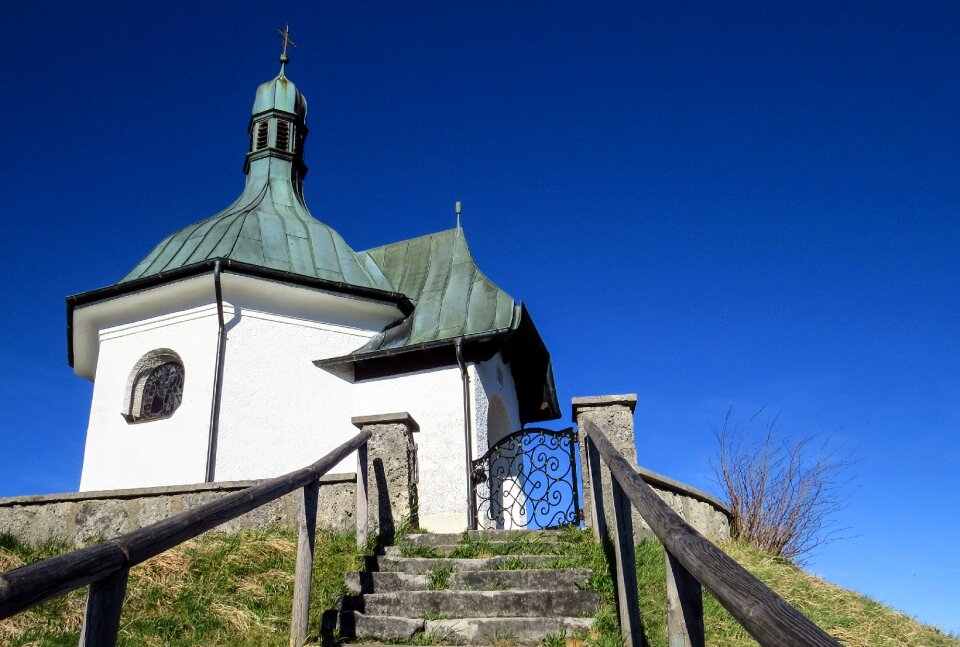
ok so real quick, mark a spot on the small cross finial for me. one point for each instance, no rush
(287, 42)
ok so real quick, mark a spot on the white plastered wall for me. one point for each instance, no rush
(491, 380)
(119, 454)
(496, 413)
(278, 412)
(434, 398)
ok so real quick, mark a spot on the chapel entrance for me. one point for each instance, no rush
(528, 480)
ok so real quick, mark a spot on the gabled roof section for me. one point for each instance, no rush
(452, 296)
(454, 300)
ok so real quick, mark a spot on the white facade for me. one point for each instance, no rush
(278, 411)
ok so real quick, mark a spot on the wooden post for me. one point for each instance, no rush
(684, 606)
(303, 578)
(101, 620)
(595, 486)
(628, 599)
(362, 502)
(28, 585)
(764, 614)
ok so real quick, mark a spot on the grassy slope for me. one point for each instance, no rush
(851, 618)
(236, 590)
(216, 590)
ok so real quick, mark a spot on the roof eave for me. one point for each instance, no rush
(194, 269)
(534, 408)
(355, 358)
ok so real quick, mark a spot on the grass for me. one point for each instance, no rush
(851, 618)
(440, 577)
(236, 590)
(219, 589)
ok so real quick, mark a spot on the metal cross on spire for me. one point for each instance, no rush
(287, 41)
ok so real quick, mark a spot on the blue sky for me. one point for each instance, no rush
(712, 205)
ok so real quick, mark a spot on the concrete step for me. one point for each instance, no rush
(423, 565)
(531, 579)
(358, 625)
(459, 631)
(375, 582)
(527, 579)
(433, 539)
(481, 604)
(491, 548)
(489, 631)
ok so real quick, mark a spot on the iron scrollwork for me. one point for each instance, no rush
(528, 480)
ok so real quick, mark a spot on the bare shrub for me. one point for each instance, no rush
(784, 494)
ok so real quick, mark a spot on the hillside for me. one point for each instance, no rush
(235, 590)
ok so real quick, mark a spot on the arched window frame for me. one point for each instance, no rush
(137, 381)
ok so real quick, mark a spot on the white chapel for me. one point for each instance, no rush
(242, 345)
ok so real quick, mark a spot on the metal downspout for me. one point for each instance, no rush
(467, 436)
(217, 379)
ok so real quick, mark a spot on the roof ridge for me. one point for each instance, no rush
(410, 240)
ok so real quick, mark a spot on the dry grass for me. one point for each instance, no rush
(851, 618)
(854, 620)
(784, 495)
(216, 590)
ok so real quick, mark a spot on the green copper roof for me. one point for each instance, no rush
(268, 226)
(452, 297)
(280, 94)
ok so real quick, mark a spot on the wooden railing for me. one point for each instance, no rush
(105, 566)
(691, 561)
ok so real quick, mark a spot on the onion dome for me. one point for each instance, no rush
(280, 94)
(269, 225)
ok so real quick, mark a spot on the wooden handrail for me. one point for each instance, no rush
(29, 585)
(770, 619)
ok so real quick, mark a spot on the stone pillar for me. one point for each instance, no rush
(613, 414)
(391, 472)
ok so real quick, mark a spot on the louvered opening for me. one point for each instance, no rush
(283, 135)
(261, 135)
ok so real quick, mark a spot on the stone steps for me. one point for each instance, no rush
(471, 631)
(511, 598)
(486, 631)
(499, 536)
(492, 549)
(529, 579)
(423, 565)
(481, 604)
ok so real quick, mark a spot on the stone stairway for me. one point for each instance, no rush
(482, 587)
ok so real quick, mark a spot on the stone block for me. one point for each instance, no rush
(391, 472)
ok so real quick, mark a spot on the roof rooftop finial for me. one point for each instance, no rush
(457, 207)
(287, 41)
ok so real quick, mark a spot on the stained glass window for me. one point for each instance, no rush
(162, 391)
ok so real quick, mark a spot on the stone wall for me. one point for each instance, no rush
(702, 511)
(613, 414)
(78, 518)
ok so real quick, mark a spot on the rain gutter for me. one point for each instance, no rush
(467, 436)
(217, 378)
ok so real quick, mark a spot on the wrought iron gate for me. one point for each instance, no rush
(528, 480)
